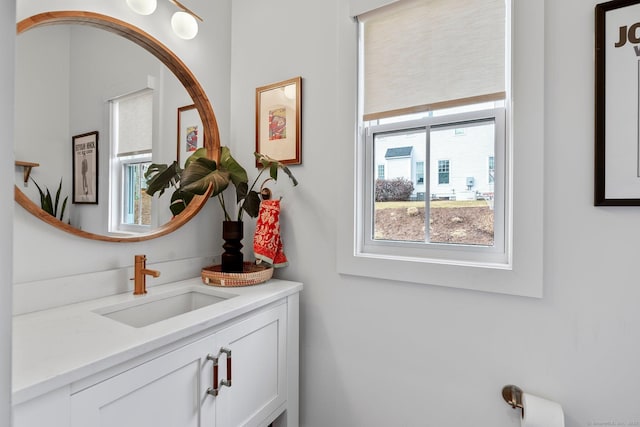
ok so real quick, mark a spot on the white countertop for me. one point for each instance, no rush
(53, 348)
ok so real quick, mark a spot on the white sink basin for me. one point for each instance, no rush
(147, 309)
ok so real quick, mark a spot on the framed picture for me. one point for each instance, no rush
(278, 126)
(190, 135)
(85, 168)
(617, 103)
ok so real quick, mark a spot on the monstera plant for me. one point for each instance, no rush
(198, 175)
(201, 172)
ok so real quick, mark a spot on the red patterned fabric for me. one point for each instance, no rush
(267, 244)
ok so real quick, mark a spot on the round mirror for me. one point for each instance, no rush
(89, 91)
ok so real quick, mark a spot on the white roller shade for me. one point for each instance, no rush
(421, 55)
(135, 123)
(358, 7)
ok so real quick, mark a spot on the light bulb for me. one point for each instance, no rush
(143, 7)
(184, 25)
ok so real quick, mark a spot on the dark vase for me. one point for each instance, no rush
(232, 259)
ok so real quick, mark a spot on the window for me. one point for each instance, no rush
(513, 265)
(131, 145)
(136, 202)
(380, 171)
(492, 169)
(440, 114)
(443, 171)
(419, 172)
(457, 212)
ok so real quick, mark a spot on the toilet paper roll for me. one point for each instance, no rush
(540, 412)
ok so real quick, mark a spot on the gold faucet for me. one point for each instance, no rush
(140, 273)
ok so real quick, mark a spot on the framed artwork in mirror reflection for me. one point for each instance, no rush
(85, 168)
(190, 135)
(278, 126)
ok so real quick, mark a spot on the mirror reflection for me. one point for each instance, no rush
(74, 80)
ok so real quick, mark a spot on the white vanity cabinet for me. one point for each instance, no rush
(102, 373)
(176, 389)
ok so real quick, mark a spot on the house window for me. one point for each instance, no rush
(443, 171)
(131, 145)
(419, 172)
(513, 265)
(136, 203)
(456, 212)
(492, 169)
(380, 171)
(441, 113)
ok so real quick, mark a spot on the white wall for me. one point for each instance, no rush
(378, 353)
(388, 353)
(208, 57)
(7, 38)
(42, 109)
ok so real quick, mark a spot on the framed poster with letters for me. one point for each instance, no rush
(617, 103)
(85, 168)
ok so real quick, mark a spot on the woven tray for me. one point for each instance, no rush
(252, 275)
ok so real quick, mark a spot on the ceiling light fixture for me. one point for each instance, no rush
(143, 7)
(184, 22)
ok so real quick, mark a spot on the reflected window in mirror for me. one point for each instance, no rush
(132, 124)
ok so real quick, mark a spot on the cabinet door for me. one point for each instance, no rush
(168, 391)
(258, 370)
(50, 409)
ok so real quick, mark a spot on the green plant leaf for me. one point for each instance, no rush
(160, 177)
(42, 196)
(286, 170)
(237, 173)
(48, 203)
(64, 206)
(200, 174)
(274, 165)
(179, 201)
(251, 204)
(241, 191)
(55, 206)
(199, 153)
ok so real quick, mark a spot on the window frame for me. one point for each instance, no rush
(523, 275)
(117, 165)
(420, 171)
(458, 254)
(491, 179)
(124, 162)
(444, 169)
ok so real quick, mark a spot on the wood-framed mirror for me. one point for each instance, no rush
(208, 134)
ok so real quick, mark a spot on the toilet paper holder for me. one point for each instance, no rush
(512, 394)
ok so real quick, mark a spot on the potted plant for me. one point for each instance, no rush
(199, 174)
(48, 204)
